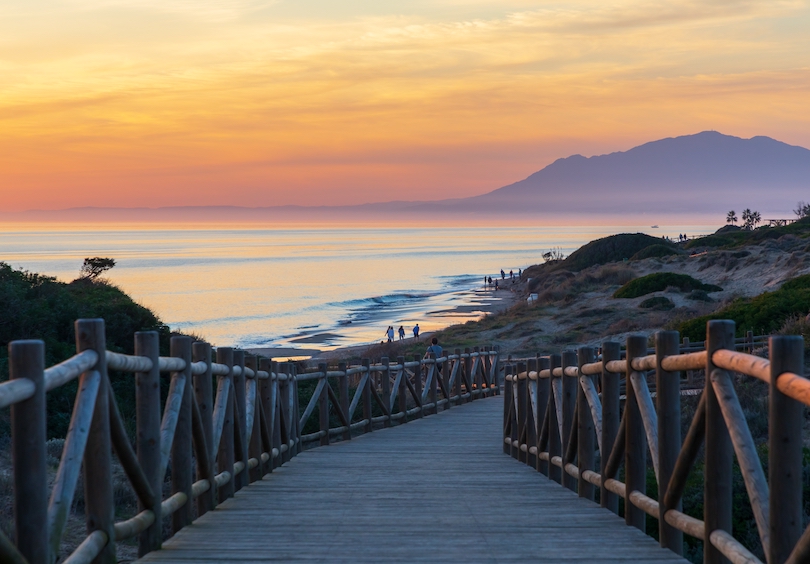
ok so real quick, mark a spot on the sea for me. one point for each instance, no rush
(302, 287)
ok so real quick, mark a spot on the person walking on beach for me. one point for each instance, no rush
(496, 284)
(512, 274)
(390, 334)
(401, 332)
(416, 331)
(436, 350)
(490, 280)
(503, 275)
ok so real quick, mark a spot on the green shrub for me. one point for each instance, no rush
(731, 238)
(655, 251)
(763, 314)
(610, 249)
(659, 281)
(41, 307)
(799, 283)
(659, 303)
(698, 296)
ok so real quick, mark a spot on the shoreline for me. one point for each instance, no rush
(485, 302)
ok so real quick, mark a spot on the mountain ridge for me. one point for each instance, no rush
(706, 172)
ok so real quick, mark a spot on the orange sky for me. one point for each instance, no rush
(181, 102)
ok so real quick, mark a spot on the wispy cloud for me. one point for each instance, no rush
(274, 104)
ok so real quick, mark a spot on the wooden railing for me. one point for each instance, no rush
(558, 417)
(213, 443)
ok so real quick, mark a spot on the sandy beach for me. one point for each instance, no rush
(482, 302)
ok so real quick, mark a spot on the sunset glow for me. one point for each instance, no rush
(241, 102)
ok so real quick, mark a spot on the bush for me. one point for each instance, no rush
(698, 296)
(764, 314)
(660, 281)
(799, 283)
(658, 303)
(797, 325)
(610, 249)
(738, 238)
(655, 251)
(41, 307)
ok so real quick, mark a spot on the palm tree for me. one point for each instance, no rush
(755, 218)
(731, 217)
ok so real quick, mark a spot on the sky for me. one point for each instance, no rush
(314, 102)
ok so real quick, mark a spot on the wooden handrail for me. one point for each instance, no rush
(642, 428)
(224, 440)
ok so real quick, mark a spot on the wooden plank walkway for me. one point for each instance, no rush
(438, 489)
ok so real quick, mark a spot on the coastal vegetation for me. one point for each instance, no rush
(659, 281)
(767, 313)
(732, 237)
(42, 307)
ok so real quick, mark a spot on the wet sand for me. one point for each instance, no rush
(485, 302)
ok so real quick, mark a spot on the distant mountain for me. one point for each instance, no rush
(706, 173)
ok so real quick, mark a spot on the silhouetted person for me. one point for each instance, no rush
(416, 331)
(401, 332)
(436, 350)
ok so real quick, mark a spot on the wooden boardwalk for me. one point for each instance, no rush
(436, 490)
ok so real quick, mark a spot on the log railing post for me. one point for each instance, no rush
(284, 416)
(343, 395)
(281, 420)
(610, 420)
(204, 393)
(635, 454)
(570, 386)
(26, 359)
(417, 383)
(543, 405)
(457, 384)
(514, 417)
(507, 418)
(267, 400)
(147, 400)
(255, 442)
(486, 365)
(323, 406)
(402, 393)
(496, 378)
(555, 405)
(296, 411)
(467, 373)
(182, 480)
(433, 392)
(99, 506)
(785, 451)
(532, 430)
(586, 432)
(385, 388)
(225, 456)
(521, 410)
(717, 483)
(240, 419)
(367, 413)
(475, 378)
(668, 392)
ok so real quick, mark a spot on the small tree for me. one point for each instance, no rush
(93, 267)
(802, 210)
(731, 217)
(554, 255)
(750, 219)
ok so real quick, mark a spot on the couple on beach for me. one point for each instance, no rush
(390, 332)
